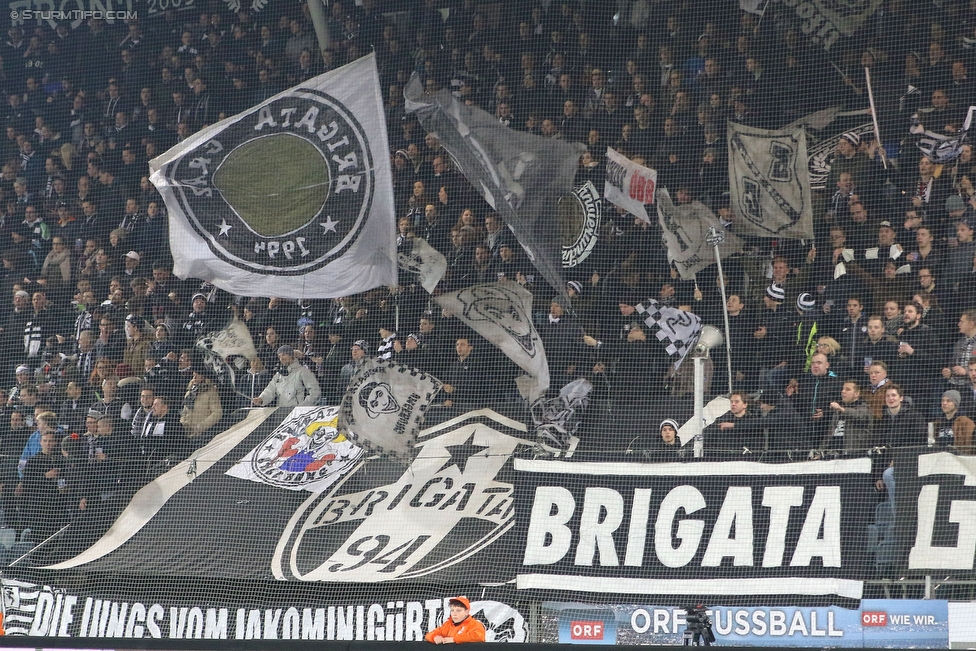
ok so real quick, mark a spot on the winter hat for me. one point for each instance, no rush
(954, 202)
(852, 138)
(577, 287)
(954, 397)
(362, 345)
(776, 292)
(806, 301)
(669, 421)
(286, 350)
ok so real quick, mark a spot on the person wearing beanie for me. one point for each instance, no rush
(669, 440)
(848, 159)
(774, 337)
(954, 429)
(293, 385)
(805, 330)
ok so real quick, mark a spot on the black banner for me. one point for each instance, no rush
(936, 513)
(243, 508)
(732, 532)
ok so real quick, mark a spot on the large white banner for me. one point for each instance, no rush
(629, 185)
(291, 198)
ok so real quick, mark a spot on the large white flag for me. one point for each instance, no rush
(770, 182)
(502, 313)
(629, 185)
(687, 232)
(291, 198)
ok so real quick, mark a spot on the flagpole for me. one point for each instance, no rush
(759, 22)
(874, 118)
(317, 11)
(715, 238)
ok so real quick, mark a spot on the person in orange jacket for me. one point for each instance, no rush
(460, 627)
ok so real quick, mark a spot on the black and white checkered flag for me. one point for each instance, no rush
(677, 329)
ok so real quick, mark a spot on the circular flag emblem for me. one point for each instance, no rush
(283, 190)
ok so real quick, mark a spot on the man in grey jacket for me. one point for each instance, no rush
(292, 386)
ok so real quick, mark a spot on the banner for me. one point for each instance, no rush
(581, 212)
(687, 231)
(629, 185)
(442, 520)
(501, 312)
(770, 182)
(936, 511)
(42, 610)
(425, 261)
(696, 532)
(878, 623)
(676, 329)
(825, 21)
(521, 176)
(383, 408)
(292, 198)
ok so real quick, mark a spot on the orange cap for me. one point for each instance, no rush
(463, 601)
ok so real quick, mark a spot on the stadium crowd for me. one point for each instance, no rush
(857, 338)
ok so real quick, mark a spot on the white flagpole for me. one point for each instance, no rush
(874, 118)
(715, 238)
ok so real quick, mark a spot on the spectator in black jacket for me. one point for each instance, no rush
(901, 425)
(736, 430)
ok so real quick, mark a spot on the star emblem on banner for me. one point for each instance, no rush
(329, 225)
(224, 228)
(461, 453)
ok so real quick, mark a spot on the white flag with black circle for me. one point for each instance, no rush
(291, 198)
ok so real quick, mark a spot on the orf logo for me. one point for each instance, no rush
(284, 189)
(585, 630)
(874, 618)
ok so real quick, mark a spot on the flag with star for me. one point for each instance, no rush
(291, 198)
(283, 496)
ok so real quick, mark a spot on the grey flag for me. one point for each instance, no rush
(383, 408)
(502, 313)
(425, 261)
(686, 230)
(521, 176)
(770, 182)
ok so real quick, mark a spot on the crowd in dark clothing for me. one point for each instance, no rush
(855, 338)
